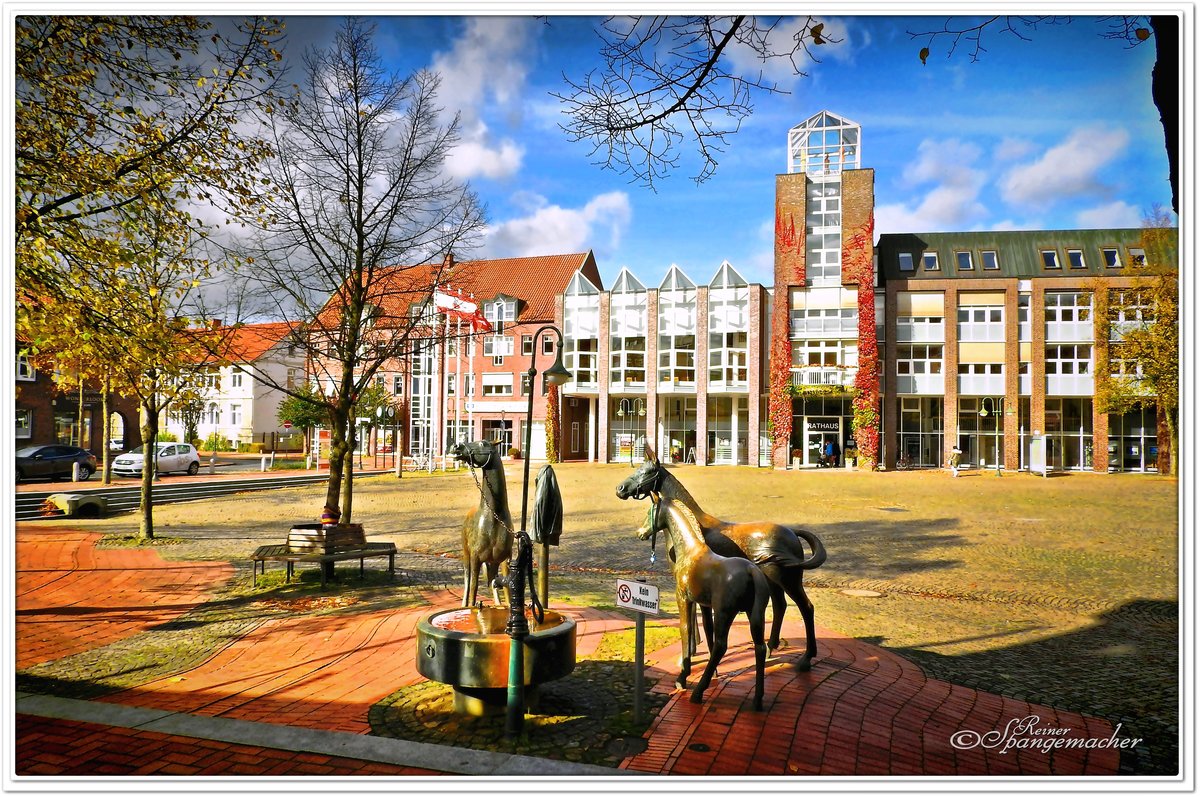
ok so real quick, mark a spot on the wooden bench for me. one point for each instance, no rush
(282, 553)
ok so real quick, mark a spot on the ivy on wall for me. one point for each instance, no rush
(553, 424)
(857, 269)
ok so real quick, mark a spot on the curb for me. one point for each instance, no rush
(400, 752)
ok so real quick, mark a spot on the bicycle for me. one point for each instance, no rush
(415, 463)
(904, 462)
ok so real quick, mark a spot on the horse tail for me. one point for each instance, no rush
(818, 555)
(762, 596)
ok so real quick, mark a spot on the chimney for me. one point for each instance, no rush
(216, 323)
(448, 261)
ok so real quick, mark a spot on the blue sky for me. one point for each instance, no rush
(1054, 133)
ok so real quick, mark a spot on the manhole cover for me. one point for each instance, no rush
(626, 746)
(699, 747)
(862, 593)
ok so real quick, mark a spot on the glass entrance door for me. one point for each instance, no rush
(817, 432)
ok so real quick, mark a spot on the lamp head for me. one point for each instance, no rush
(620, 412)
(557, 374)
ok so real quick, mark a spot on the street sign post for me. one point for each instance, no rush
(643, 599)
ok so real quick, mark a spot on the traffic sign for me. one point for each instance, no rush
(287, 424)
(637, 596)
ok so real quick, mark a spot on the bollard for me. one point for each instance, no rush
(212, 464)
(264, 463)
(74, 471)
(308, 461)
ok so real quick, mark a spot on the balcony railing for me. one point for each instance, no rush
(803, 327)
(811, 376)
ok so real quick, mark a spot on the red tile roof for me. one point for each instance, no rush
(248, 342)
(534, 280)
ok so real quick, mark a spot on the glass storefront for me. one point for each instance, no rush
(817, 420)
(627, 429)
(919, 438)
(981, 431)
(1133, 441)
(677, 429)
(1069, 433)
(727, 431)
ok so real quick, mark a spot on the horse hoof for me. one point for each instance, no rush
(758, 704)
(805, 664)
(776, 644)
(681, 684)
(697, 696)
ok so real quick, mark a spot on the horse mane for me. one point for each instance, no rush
(680, 494)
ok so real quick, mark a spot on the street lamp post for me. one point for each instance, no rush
(636, 406)
(997, 404)
(517, 627)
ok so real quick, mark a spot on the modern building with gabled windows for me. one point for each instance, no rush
(899, 350)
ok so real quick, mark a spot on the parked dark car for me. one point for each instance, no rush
(53, 461)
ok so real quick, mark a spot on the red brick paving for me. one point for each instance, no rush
(72, 597)
(860, 711)
(65, 747)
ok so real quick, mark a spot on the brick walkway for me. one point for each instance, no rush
(71, 596)
(861, 710)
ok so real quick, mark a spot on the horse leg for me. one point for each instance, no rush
(474, 576)
(707, 616)
(493, 570)
(686, 615)
(778, 607)
(757, 616)
(795, 589)
(720, 644)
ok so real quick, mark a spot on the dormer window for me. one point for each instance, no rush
(503, 308)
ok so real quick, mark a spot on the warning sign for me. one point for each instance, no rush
(637, 596)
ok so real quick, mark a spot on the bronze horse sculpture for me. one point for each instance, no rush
(487, 531)
(721, 586)
(776, 549)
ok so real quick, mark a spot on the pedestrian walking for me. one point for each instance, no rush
(955, 459)
(835, 452)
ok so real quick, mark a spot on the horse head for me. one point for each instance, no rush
(477, 454)
(645, 480)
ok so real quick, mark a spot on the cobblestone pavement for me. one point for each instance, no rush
(1046, 639)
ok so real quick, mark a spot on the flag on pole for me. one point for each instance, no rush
(455, 305)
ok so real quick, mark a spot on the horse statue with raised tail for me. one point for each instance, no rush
(487, 532)
(721, 586)
(776, 549)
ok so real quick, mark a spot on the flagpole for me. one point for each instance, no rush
(445, 397)
(458, 347)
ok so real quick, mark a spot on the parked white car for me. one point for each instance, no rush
(172, 458)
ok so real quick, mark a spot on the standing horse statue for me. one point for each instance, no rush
(487, 531)
(721, 586)
(776, 549)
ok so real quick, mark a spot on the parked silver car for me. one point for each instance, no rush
(171, 458)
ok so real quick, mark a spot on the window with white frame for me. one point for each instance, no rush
(824, 353)
(980, 323)
(524, 383)
(1137, 256)
(526, 345)
(677, 358)
(235, 378)
(24, 424)
(235, 414)
(548, 345)
(823, 233)
(582, 358)
(906, 261)
(1050, 258)
(920, 327)
(918, 359)
(991, 261)
(397, 385)
(502, 309)
(25, 369)
(581, 330)
(821, 321)
(677, 329)
(627, 360)
(1112, 256)
(1024, 325)
(980, 369)
(1121, 366)
(214, 414)
(451, 385)
(1075, 258)
(498, 346)
(497, 384)
(965, 263)
(1130, 306)
(1065, 307)
(293, 378)
(929, 261)
(727, 358)
(1069, 359)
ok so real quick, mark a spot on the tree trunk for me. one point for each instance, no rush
(348, 474)
(337, 456)
(105, 476)
(1164, 88)
(80, 413)
(1168, 422)
(149, 450)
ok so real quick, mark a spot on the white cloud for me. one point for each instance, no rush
(745, 61)
(1069, 169)
(487, 67)
(1011, 149)
(1113, 214)
(550, 229)
(953, 200)
(479, 156)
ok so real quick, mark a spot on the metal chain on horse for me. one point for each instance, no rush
(502, 524)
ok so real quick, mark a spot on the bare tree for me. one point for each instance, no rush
(670, 79)
(361, 220)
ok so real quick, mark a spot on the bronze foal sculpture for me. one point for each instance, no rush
(487, 531)
(721, 586)
(776, 549)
